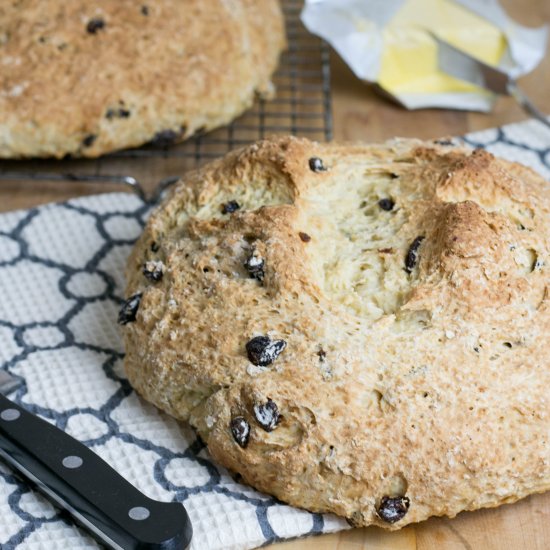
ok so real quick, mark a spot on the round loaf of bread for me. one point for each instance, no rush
(357, 329)
(86, 78)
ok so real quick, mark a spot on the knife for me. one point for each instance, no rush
(75, 478)
(458, 63)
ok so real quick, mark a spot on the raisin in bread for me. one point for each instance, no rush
(357, 329)
(86, 78)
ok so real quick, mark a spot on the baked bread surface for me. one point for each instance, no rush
(86, 78)
(364, 332)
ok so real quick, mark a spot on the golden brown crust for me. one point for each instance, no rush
(85, 78)
(416, 361)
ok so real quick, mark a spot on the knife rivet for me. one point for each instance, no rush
(72, 462)
(139, 513)
(10, 414)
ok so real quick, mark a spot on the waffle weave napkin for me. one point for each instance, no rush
(61, 286)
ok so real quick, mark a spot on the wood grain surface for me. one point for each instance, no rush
(360, 114)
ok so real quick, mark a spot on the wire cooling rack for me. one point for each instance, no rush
(301, 107)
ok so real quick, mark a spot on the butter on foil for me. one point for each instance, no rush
(391, 43)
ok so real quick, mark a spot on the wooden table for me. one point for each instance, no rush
(360, 114)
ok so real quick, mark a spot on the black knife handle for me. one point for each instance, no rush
(77, 479)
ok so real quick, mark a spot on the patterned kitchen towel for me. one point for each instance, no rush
(61, 285)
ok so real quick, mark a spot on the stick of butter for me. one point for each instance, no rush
(391, 43)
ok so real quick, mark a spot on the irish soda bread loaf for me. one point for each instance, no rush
(355, 329)
(85, 78)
